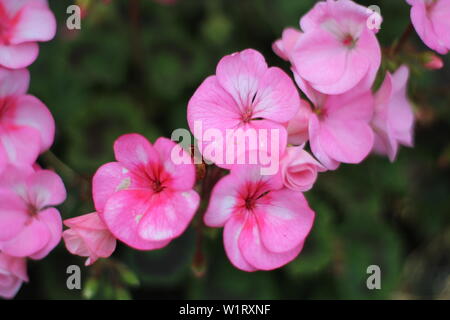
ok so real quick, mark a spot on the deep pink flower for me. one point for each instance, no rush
(431, 21)
(145, 198)
(29, 226)
(339, 127)
(299, 169)
(433, 62)
(336, 51)
(23, 23)
(265, 226)
(13, 271)
(27, 127)
(89, 236)
(298, 125)
(244, 95)
(393, 121)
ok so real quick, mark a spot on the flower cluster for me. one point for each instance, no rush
(30, 226)
(262, 138)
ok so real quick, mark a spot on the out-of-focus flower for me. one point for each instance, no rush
(247, 95)
(23, 23)
(265, 225)
(145, 198)
(393, 120)
(13, 272)
(299, 169)
(88, 236)
(29, 226)
(336, 51)
(431, 21)
(27, 127)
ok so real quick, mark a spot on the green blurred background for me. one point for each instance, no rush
(133, 67)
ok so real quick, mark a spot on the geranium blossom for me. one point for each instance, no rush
(145, 199)
(431, 21)
(265, 225)
(88, 236)
(339, 127)
(29, 226)
(336, 51)
(393, 118)
(23, 23)
(245, 94)
(13, 272)
(27, 127)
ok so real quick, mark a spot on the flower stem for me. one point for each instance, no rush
(398, 45)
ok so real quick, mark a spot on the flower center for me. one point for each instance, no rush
(349, 41)
(157, 186)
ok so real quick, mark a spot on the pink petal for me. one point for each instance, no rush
(21, 144)
(13, 215)
(123, 213)
(13, 82)
(169, 216)
(45, 188)
(320, 57)
(110, 178)
(223, 200)
(231, 235)
(52, 218)
(255, 252)
(240, 73)
(284, 220)
(298, 126)
(18, 56)
(33, 238)
(277, 97)
(316, 144)
(134, 151)
(31, 112)
(285, 46)
(35, 22)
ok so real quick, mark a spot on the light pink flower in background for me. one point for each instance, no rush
(244, 94)
(336, 51)
(339, 127)
(431, 21)
(13, 272)
(27, 127)
(23, 23)
(265, 225)
(298, 125)
(145, 199)
(89, 236)
(393, 121)
(285, 46)
(29, 226)
(299, 169)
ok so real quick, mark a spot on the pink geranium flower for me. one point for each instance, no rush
(27, 127)
(393, 120)
(431, 21)
(145, 198)
(29, 226)
(13, 272)
(336, 51)
(89, 236)
(265, 226)
(23, 23)
(299, 169)
(247, 95)
(339, 127)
